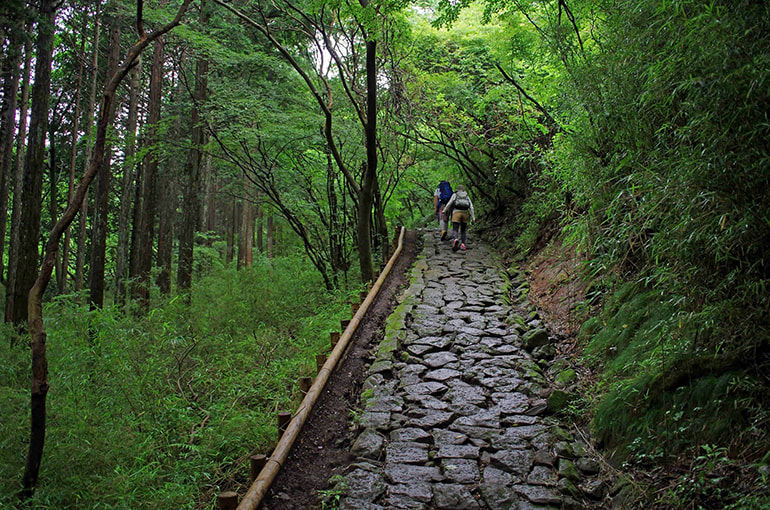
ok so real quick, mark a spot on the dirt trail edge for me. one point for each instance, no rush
(323, 448)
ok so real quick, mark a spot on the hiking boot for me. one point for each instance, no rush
(462, 246)
(455, 244)
(443, 235)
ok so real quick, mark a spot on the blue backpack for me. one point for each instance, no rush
(444, 192)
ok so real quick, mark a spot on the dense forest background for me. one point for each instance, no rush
(194, 191)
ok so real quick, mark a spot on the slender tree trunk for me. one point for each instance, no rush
(28, 239)
(381, 225)
(80, 259)
(270, 236)
(335, 215)
(210, 212)
(10, 77)
(366, 199)
(136, 222)
(260, 226)
(191, 208)
(146, 220)
(168, 198)
(34, 166)
(242, 223)
(61, 279)
(207, 171)
(53, 185)
(18, 183)
(230, 222)
(127, 186)
(166, 221)
(99, 233)
(246, 235)
(250, 235)
(38, 334)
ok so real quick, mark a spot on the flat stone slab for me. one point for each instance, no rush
(458, 451)
(454, 497)
(410, 434)
(365, 485)
(439, 359)
(461, 470)
(442, 374)
(431, 419)
(407, 473)
(419, 491)
(425, 388)
(407, 452)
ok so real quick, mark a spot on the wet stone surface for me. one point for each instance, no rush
(455, 416)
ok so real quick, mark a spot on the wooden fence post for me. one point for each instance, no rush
(227, 501)
(257, 462)
(284, 417)
(320, 359)
(334, 337)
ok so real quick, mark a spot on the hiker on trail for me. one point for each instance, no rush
(440, 197)
(462, 213)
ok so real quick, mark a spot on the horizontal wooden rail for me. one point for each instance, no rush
(261, 484)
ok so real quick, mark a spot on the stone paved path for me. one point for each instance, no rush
(455, 412)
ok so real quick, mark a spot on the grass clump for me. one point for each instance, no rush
(662, 389)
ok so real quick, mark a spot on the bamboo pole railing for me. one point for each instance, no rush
(261, 483)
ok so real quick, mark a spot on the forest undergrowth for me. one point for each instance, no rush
(162, 411)
(702, 443)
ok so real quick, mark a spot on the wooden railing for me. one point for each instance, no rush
(264, 469)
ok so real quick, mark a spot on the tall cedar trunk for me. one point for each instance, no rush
(34, 166)
(260, 227)
(80, 259)
(210, 208)
(127, 186)
(207, 171)
(232, 213)
(146, 220)
(166, 220)
(10, 77)
(38, 334)
(381, 225)
(53, 184)
(242, 234)
(99, 232)
(61, 279)
(366, 199)
(168, 197)
(133, 252)
(270, 236)
(246, 236)
(335, 214)
(250, 235)
(191, 194)
(18, 182)
(26, 274)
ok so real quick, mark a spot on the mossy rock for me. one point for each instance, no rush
(535, 338)
(559, 365)
(566, 377)
(568, 470)
(558, 400)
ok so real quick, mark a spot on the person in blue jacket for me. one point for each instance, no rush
(462, 213)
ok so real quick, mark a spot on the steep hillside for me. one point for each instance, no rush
(699, 441)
